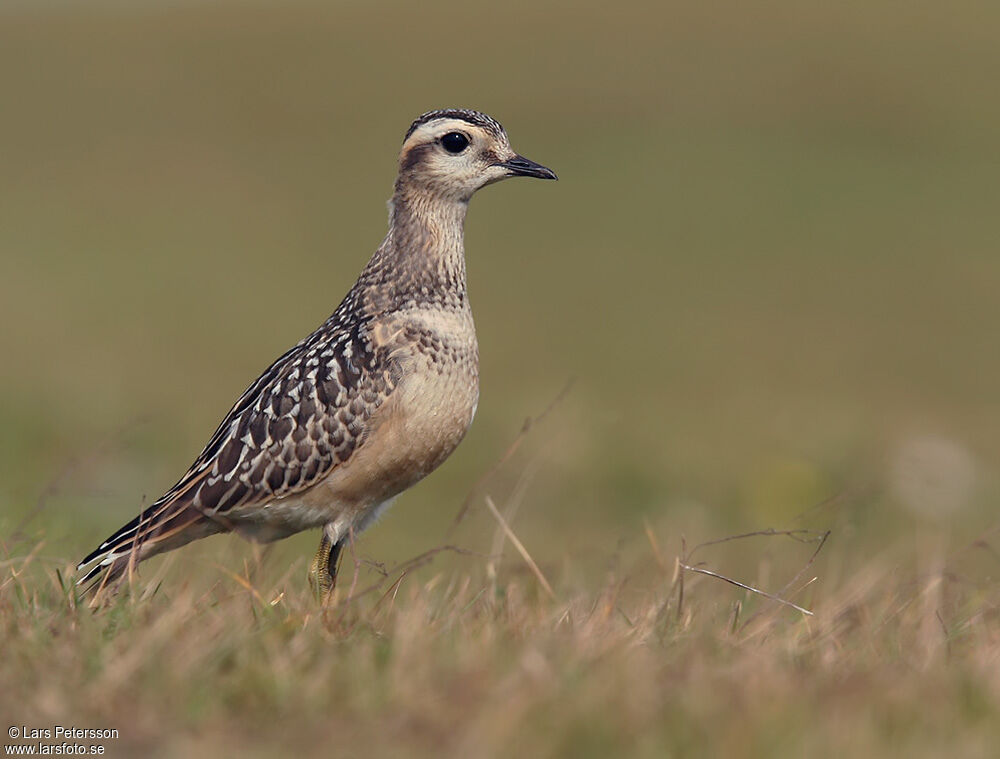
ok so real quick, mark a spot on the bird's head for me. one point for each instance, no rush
(452, 153)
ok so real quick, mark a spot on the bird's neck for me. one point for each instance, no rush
(424, 248)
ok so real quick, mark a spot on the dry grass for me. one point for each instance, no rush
(901, 657)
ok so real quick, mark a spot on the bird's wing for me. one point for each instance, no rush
(305, 415)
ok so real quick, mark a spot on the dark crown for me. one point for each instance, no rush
(473, 117)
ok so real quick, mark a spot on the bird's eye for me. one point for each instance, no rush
(455, 142)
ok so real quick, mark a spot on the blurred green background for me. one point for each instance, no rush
(770, 263)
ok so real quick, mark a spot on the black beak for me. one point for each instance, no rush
(521, 167)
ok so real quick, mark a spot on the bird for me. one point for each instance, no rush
(368, 404)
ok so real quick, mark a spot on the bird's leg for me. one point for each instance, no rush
(323, 572)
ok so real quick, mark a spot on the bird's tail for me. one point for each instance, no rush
(157, 529)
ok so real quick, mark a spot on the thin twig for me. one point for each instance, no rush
(513, 505)
(662, 562)
(390, 593)
(833, 500)
(947, 637)
(405, 567)
(801, 535)
(784, 590)
(520, 548)
(244, 582)
(790, 583)
(511, 450)
(679, 575)
(739, 584)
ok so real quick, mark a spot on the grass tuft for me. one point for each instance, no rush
(456, 661)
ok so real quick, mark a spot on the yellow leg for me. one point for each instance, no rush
(323, 571)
